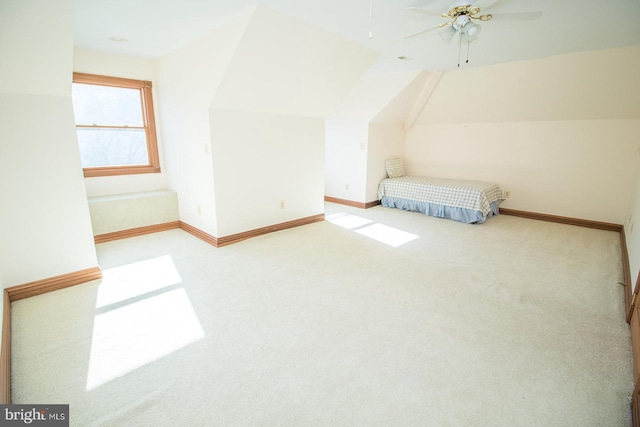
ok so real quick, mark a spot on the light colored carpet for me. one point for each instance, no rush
(510, 323)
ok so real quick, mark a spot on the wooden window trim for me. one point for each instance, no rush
(149, 125)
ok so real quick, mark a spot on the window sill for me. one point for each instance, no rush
(122, 170)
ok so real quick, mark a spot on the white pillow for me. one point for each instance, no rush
(395, 167)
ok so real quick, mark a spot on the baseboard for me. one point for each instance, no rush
(53, 283)
(63, 281)
(372, 204)
(234, 238)
(27, 290)
(138, 231)
(607, 226)
(629, 302)
(563, 220)
(360, 205)
(71, 279)
(212, 240)
(5, 352)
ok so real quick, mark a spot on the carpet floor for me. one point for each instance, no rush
(372, 317)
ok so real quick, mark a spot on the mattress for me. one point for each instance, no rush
(474, 200)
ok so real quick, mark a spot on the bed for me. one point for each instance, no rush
(471, 202)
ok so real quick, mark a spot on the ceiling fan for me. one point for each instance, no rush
(462, 13)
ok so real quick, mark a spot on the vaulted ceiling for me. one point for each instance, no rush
(153, 28)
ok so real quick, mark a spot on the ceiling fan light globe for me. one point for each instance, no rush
(447, 34)
(471, 31)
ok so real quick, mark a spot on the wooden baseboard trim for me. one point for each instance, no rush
(234, 238)
(5, 352)
(352, 203)
(372, 204)
(53, 283)
(71, 279)
(629, 287)
(628, 297)
(138, 231)
(563, 220)
(27, 290)
(212, 240)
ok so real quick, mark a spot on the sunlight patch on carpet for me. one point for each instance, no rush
(138, 278)
(388, 235)
(137, 334)
(383, 233)
(141, 317)
(347, 221)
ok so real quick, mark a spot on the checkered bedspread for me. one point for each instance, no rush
(474, 195)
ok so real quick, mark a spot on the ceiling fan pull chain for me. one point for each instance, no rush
(370, 13)
(468, 47)
(459, 49)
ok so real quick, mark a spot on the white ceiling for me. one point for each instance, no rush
(155, 27)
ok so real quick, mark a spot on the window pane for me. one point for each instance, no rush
(105, 105)
(112, 147)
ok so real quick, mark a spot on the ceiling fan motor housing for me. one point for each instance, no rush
(461, 21)
(462, 13)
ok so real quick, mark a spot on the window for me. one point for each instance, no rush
(115, 125)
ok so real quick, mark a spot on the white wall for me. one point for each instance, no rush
(386, 141)
(106, 64)
(36, 47)
(187, 81)
(1, 310)
(346, 145)
(267, 120)
(355, 148)
(45, 228)
(560, 133)
(579, 169)
(242, 114)
(261, 159)
(632, 229)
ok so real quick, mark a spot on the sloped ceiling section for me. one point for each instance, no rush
(399, 108)
(373, 95)
(578, 86)
(285, 66)
(192, 74)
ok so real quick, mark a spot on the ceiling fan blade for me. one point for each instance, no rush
(421, 10)
(516, 16)
(484, 4)
(444, 25)
(422, 32)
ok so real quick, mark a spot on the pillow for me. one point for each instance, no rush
(395, 167)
